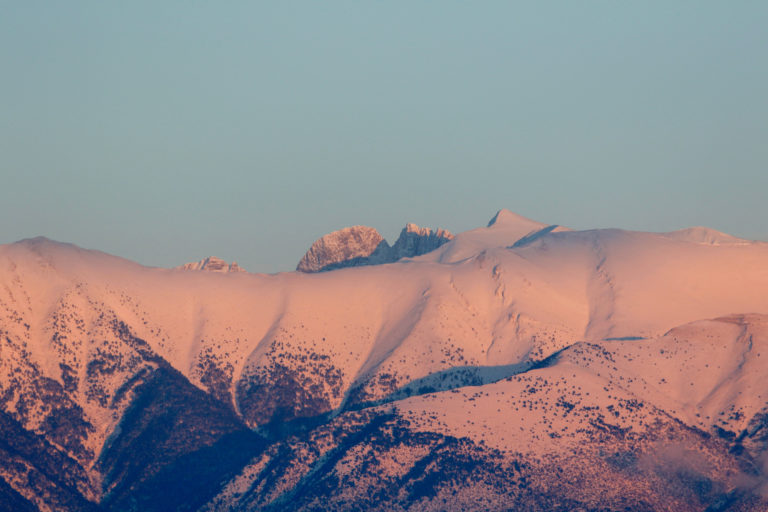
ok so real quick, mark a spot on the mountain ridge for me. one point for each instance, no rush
(447, 376)
(212, 264)
(362, 245)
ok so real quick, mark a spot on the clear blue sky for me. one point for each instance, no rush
(168, 131)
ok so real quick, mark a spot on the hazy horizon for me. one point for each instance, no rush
(168, 133)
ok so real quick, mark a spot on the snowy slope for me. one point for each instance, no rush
(524, 337)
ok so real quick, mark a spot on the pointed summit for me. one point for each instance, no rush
(506, 218)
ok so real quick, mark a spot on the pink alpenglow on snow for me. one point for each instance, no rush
(521, 365)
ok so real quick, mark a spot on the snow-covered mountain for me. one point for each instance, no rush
(520, 365)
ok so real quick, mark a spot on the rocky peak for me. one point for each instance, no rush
(415, 241)
(362, 245)
(348, 247)
(213, 264)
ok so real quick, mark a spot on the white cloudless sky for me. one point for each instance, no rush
(165, 132)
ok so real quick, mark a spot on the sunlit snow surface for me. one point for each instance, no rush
(585, 359)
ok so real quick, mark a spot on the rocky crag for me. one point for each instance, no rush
(361, 245)
(213, 264)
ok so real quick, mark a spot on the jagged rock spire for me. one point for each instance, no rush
(362, 245)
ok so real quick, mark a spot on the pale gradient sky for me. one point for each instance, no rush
(168, 131)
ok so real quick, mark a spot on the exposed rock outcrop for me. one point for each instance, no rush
(362, 245)
(415, 241)
(213, 264)
(348, 247)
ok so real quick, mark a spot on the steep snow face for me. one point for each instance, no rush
(348, 247)
(503, 230)
(707, 373)
(670, 405)
(212, 264)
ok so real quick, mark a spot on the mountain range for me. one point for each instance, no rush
(517, 366)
